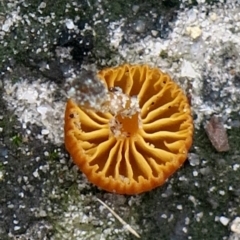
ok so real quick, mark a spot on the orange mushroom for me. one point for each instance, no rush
(140, 140)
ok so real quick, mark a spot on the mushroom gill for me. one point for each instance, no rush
(141, 136)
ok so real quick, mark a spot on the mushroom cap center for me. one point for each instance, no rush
(130, 125)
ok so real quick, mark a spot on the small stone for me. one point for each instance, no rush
(42, 213)
(213, 16)
(192, 16)
(194, 32)
(1, 175)
(235, 225)
(6, 26)
(205, 171)
(69, 24)
(42, 5)
(15, 222)
(36, 174)
(187, 70)
(195, 173)
(140, 26)
(235, 167)
(43, 111)
(16, 228)
(217, 134)
(193, 159)
(45, 132)
(224, 220)
(154, 33)
(179, 207)
(221, 192)
(135, 8)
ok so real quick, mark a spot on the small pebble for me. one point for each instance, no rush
(69, 24)
(135, 8)
(42, 5)
(45, 132)
(140, 26)
(224, 220)
(194, 32)
(217, 134)
(192, 16)
(235, 225)
(193, 159)
(154, 33)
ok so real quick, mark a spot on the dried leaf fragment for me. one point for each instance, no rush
(217, 134)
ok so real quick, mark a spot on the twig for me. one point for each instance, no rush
(125, 225)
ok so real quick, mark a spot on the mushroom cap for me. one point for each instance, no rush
(158, 136)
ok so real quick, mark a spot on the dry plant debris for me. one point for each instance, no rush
(125, 225)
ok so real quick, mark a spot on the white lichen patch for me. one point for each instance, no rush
(191, 58)
(115, 33)
(33, 103)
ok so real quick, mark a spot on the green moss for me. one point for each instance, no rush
(1, 166)
(17, 140)
(10, 132)
(53, 156)
(163, 54)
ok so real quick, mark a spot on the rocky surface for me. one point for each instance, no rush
(44, 45)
